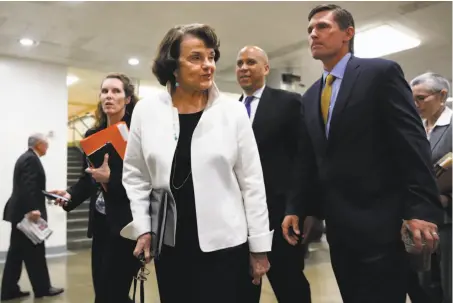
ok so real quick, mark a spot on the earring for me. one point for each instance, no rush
(176, 84)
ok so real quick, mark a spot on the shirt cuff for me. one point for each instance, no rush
(137, 228)
(261, 243)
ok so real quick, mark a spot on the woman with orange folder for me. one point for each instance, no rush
(112, 262)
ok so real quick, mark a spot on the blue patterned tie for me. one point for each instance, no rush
(248, 101)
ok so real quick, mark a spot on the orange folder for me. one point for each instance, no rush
(116, 134)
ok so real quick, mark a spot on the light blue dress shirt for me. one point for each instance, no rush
(338, 72)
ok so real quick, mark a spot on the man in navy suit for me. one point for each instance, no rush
(275, 116)
(365, 165)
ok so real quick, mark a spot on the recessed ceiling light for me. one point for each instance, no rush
(27, 42)
(70, 79)
(381, 41)
(133, 61)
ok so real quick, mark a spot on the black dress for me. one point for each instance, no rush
(184, 272)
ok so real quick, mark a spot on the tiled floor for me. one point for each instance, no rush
(74, 274)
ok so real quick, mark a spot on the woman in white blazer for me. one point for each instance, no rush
(197, 145)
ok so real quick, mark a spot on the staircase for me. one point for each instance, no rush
(77, 219)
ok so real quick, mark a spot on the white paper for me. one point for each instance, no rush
(37, 231)
(124, 131)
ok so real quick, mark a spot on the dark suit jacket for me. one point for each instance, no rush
(375, 168)
(441, 144)
(117, 204)
(276, 128)
(28, 182)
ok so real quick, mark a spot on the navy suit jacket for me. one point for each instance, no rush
(28, 183)
(374, 169)
(275, 127)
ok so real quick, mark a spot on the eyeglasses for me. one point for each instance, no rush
(143, 272)
(422, 98)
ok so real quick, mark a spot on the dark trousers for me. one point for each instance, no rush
(425, 287)
(434, 286)
(113, 264)
(21, 249)
(286, 274)
(421, 289)
(445, 233)
(372, 275)
(201, 277)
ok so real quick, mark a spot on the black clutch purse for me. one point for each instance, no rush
(159, 210)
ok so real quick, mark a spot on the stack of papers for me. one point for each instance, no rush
(443, 171)
(37, 231)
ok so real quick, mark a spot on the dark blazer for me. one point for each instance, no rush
(441, 144)
(374, 169)
(28, 182)
(117, 204)
(276, 128)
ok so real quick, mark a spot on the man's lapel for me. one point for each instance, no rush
(436, 135)
(313, 116)
(351, 74)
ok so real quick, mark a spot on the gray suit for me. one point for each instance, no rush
(441, 144)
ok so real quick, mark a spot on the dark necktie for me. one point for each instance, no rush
(247, 102)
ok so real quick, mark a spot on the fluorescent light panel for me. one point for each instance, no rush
(133, 61)
(381, 41)
(70, 79)
(27, 42)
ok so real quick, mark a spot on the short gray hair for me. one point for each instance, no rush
(435, 82)
(35, 139)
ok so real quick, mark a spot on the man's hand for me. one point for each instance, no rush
(422, 231)
(102, 173)
(34, 215)
(259, 266)
(143, 246)
(62, 193)
(291, 223)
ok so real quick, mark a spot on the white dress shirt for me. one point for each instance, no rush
(444, 119)
(254, 103)
(228, 181)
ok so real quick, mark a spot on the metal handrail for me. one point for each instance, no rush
(80, 118)
(71, 124)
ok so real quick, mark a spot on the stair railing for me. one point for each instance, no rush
(76, 133)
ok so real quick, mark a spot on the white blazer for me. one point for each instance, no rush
(230, 197)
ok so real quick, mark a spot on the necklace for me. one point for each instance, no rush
(174, 170)
(176, 156)
(176, 117)
(175, 125)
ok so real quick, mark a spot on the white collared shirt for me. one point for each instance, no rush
(254, 103)
(444, 119)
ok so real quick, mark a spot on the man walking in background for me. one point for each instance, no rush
(28, 200)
